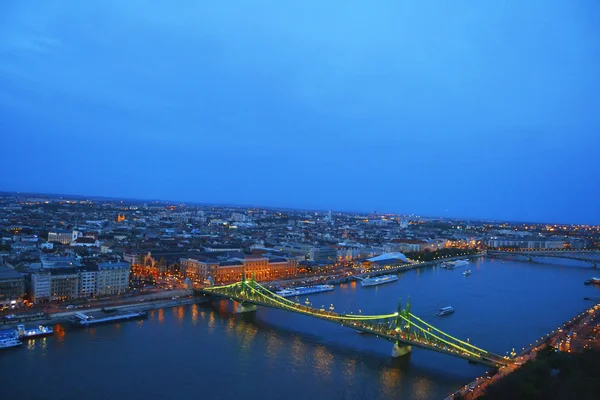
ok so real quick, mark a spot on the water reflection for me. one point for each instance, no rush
(274, 347)
(223, 307)
(349, 369)
(59, 333)
(297, 351)
(390, 379)
(161, 316)
(323, 361)
(247, 332)
(211, 322)
(194, 314)
(231, 324)
(422, 388)
(180, 313)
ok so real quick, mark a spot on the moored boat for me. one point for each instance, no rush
(302, 290)
(87, 320)
(41, 330)
(9, 342)
(467, 272)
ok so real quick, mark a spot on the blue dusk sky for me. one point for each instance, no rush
(475, 109)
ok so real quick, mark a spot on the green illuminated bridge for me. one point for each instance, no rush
(402, 328)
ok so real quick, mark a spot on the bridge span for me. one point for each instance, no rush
(402, 328)
(577, 255)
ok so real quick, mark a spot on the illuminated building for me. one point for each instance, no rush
(12, 286)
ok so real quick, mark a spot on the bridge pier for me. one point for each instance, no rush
(244, 308)
(399, 351)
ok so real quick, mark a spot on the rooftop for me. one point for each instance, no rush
(9, 273)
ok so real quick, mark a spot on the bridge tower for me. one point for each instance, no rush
(403, 325)
(244, 308)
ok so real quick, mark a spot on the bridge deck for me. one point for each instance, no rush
(378, 326)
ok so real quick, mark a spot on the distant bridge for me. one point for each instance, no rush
(578, 255)
(402, 327)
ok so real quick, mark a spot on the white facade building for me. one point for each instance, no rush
(112, 278)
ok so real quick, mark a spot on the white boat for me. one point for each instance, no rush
(467, 272)
(378, 280)
(454, 264)
(9, 342)
(299, 291)
(445, 311)
(286, 293)
(41, 330)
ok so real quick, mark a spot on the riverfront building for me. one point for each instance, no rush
(12, 286)
(231, 269)
(388, 260)
(112, 278)
(72, 283)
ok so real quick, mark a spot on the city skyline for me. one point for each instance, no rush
(132, 200)
(456, 111)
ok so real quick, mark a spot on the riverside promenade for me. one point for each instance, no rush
(172, 298)
(558, 338)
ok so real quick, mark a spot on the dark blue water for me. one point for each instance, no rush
(205, 351)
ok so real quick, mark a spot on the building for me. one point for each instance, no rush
(112, 278)
(60, 236)
(198, 270)
(40, 286)
(223, 248)
(86, 283)
(51, 261)
(47, 246)
(535, 243)
(83, 241)
(384, 261)
(407, 245)
(12, 286)
(52, 284)
(323, 254)
(63, 285)
(231, 270)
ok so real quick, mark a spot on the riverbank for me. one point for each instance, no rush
(139, 305)
(349, 277)
(559, 339)
(416, 265)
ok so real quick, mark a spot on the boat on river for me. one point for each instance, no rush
(378, 280)
(445, 311)
(299, 291)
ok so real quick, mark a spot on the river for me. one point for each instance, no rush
(207, 352)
